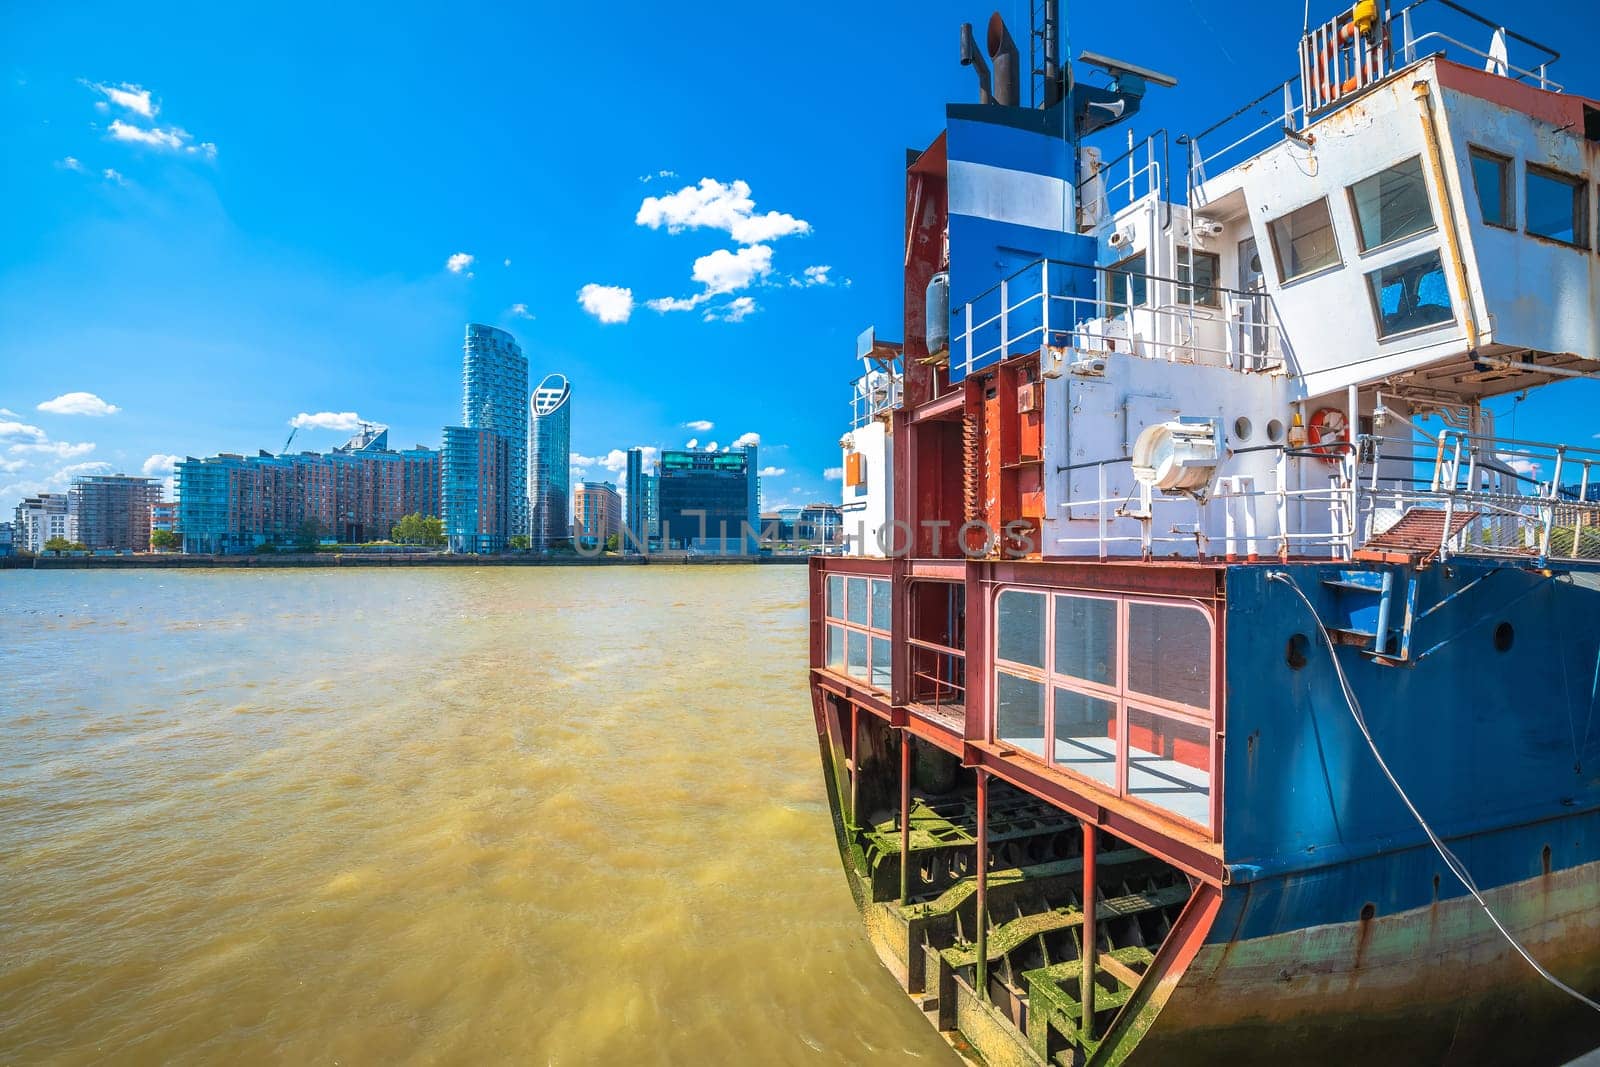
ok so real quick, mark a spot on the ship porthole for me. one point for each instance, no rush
(1504, 635)
(1294, 654)
(1275, 431)
(1368, 911)
(1241, 428)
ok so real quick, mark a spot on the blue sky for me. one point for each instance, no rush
(270, 230)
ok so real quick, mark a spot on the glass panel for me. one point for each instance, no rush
(1021, 621)
(880, 662)
(1557, 207)
(835, 596)
(880, 605)
(856, 609)
(1086, 736)
(1410, 295)
(1126, 285)
(1169, 764)
(1019, 714)
(1169, 653)
(835, 647)
(1086, 639)
(1206, 266)
(1392, 204)
(1492, 176)
(856, 645)
(1303, 241)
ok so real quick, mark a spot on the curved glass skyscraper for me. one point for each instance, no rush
(494, 397)
(550, 460)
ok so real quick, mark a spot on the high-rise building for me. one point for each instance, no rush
(710, 501)
(641, 489)
(550, 461)
(112, 511)
(494, 396)
(599, 513)
(473, 477)
(41, 518)
(357, 492)
(8, 539)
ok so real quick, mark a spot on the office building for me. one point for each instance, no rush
(474, 492)
(709, 501)
(111, 512)
(550, 461)
(39, 519)
(494, 397)
(8, 544)
(598, 508)
(356, 493)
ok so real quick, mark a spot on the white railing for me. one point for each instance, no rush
(1446, 42)
(1175, 321)
(874, 393)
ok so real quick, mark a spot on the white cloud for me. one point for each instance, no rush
(160, 465)
(11, 466)
(508, 262)
(712, 447)
(817, 275)
(608, 303)
(699, 425)
(647, 178)
(520, 311)
(58, 449)
(78, 404)
(458, 262)
(736, 310)
(131, 97)
(772, 472)
(673, 303)
(63, 477)
(717, 206)
(723, 271)
(114, 176)
(18, 431)
(71, 163)
(1525, 467)
(834, 474)
(204, 148)
(155, 136)
(692, 443)
(345, 421)
(745, 440)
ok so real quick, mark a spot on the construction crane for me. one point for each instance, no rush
(289, 440)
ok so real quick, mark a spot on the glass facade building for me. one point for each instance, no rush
(710, 501)
(550, 461)
(473, 487)
(494, 397)
(639, 507)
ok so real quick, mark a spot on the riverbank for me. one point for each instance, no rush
(362, 559)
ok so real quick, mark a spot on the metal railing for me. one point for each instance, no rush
(1491, 497)
(1175, 320)
(1324, 81)
(874, 393)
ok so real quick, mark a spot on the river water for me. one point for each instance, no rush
(561, 816)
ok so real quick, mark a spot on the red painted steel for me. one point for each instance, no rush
(1086, 983)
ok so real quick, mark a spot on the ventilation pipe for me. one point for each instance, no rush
(971, 57)
(1003, 53)
(1052, 53)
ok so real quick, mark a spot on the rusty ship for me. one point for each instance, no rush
(1208, 678)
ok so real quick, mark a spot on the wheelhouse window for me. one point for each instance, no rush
(1391, 205)
(859, 619)
(1303, 241)
(1558, 207)
(1200, 290)
(1492, 176)
(1410, 295)
(1115, 689)
(1126, 285)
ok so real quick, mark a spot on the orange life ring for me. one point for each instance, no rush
(1328, 427)
(1327, 88)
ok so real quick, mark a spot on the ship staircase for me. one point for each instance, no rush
(1014, 965)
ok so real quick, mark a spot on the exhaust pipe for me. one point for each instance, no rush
(971, 57)
(1003, 52)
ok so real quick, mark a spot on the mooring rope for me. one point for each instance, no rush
(1457, 868)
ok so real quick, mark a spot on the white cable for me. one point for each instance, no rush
(1450, 859)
